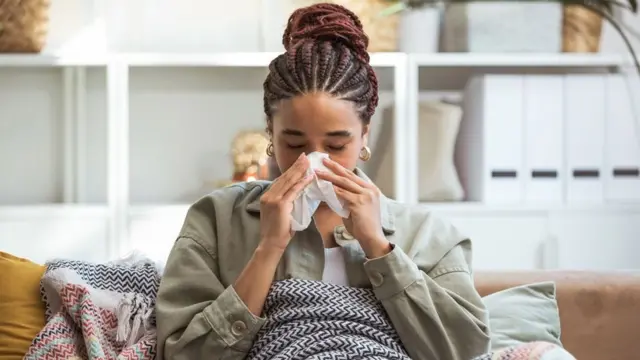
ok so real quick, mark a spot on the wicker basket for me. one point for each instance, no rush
(382, 31)
(581, 30)
(23, 25)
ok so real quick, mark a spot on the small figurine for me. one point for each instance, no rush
(249, 156)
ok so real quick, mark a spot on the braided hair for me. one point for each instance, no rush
(326, 51)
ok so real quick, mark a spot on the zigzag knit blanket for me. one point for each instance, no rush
(314, 320)
(90, 317)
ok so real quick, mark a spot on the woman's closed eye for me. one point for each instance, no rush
(296, 146)
(329, 147)
(336, 147)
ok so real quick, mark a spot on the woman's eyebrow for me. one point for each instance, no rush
(292, 132)
(339, 133)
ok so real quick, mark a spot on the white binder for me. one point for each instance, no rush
(489, 150)
(543, 138)
(622, 139)
(584, 137)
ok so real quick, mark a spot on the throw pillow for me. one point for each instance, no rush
(20, 305)
(522, 314)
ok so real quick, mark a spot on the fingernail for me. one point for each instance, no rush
(301, 156)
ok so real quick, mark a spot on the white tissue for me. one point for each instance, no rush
(316, 192)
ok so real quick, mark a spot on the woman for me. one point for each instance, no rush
(319, 96)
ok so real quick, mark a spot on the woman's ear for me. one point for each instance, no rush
(365, 135)
(269, 128)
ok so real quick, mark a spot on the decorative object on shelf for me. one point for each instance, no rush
(381, 164)
(249, 156)
(581, 30)
(23, 25)
(438, 125)
(419, 30)
(501, 27)
(382, 30)
(605, 8)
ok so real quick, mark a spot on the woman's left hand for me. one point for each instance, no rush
(362, 199)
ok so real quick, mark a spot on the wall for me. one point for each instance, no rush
(182, 121)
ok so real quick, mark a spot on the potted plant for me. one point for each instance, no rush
(418, 29)
(597, 9)
(23, 25)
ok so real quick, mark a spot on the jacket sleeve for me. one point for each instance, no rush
(437, 312)
(197, 317)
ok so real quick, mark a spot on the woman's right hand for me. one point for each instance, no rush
(276, 205)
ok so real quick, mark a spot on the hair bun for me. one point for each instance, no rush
(329, 22)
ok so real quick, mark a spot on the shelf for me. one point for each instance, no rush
(248, 59)
(262, 59)
(53, 211)
(245, 59)
(453, 60)
(454, 208)
(477, 207)
(178, 211)
(159, 210)
(46, 60)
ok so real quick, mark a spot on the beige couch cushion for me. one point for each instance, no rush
(599, 311)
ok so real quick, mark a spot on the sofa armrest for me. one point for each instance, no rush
(599, 311)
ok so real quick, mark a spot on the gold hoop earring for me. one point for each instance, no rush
(365, 153)
(270, 150)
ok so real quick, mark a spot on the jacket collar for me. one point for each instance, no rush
(388, 219)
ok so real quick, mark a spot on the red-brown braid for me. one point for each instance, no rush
(326, 51)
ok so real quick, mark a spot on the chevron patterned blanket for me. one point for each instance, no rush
(97, 312)
(317, 320)
(314, 320)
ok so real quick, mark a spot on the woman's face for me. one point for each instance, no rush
(317, 122)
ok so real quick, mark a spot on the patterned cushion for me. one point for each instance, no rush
(536, 350)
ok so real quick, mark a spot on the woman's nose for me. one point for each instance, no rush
(314, 147)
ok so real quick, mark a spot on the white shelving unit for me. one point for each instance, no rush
(558, 61)
(403, 73)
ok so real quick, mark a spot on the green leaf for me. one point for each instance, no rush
(393, 9)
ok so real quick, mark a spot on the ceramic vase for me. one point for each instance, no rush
(420, 30)
(503, 26)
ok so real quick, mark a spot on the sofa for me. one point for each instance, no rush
(599, 311)
(593, 315)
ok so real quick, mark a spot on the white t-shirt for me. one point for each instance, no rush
(335, 270)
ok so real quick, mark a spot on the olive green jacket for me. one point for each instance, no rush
(424, 283)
